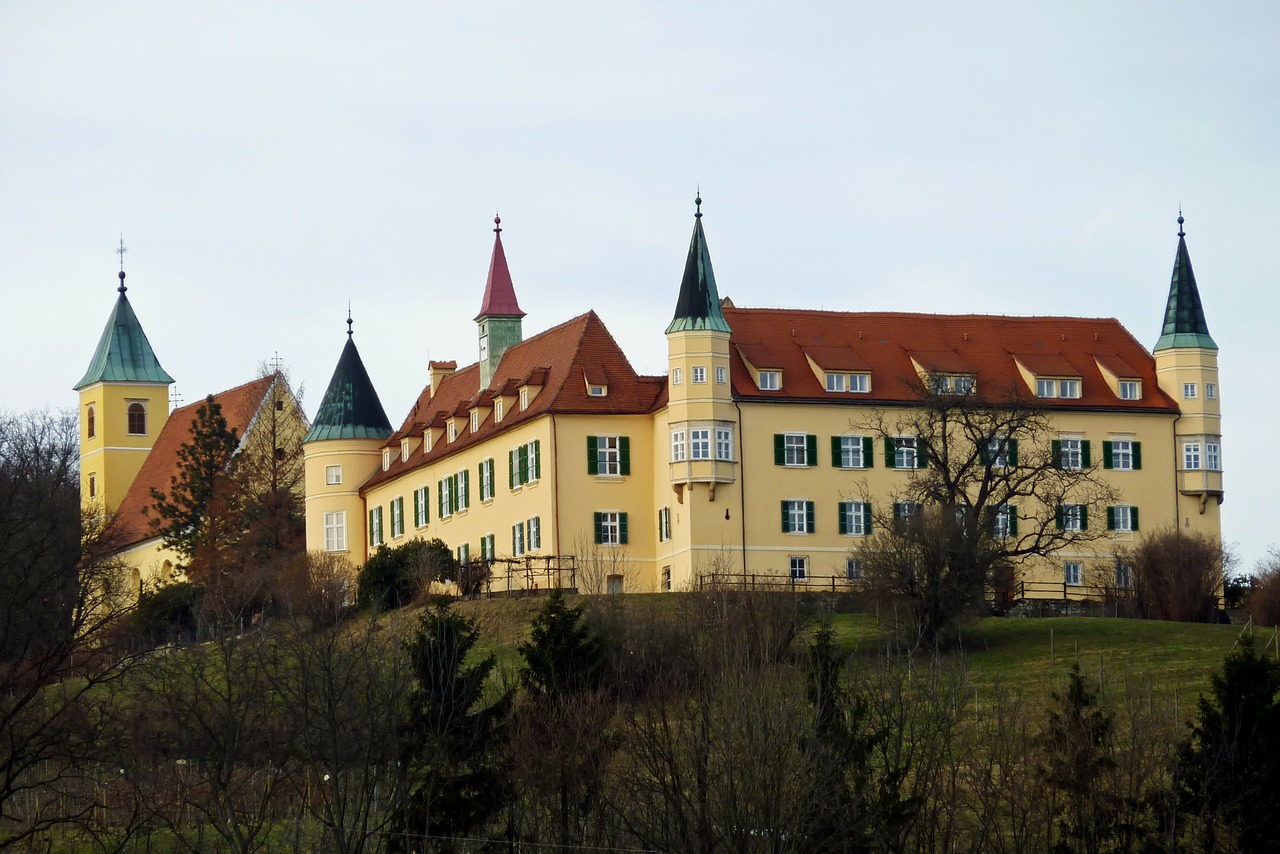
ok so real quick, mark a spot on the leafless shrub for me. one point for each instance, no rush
(1177, 575)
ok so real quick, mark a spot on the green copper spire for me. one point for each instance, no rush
(350, 408)
(124, 354)
(1184, 323)
(698, 306)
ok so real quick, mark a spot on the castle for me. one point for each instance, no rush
(762, 451)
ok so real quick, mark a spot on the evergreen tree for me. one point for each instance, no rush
(1229, 766)
(451, 734)
(562, 656)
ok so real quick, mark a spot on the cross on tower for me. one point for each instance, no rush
(175, 399)
(276, 363)
(121, 251)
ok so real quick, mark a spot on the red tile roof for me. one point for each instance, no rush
(239, 405)
(882, 342)
(558, 360)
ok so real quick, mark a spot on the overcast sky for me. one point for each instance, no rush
(269, 162)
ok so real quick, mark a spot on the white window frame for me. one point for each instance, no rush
(1069, 389)
(664, 524)
(770, 380)
(1071, 453)
(597, 391)
(376, 537)
(446, 488)
(1189, 391)
(677, 376)
(404, 451)
(1072, 515)
(860, 383)
(853, 569)
(1191, 458)
(475, 421)
(699, 374)
(906, 452)
(610, 528)
(797, 516)
(1122, 515)
(535, 465)
(1213, 456)
(333, 475)
(397, 517)
(464, 553)
(486, 480)
(793, 454)
(461, 499)
(453, 430)
(517, 539)
(608, 455)
(836, 382)
(497, 410)
(386, 458)
(1124, 574)
(677, 446)
(855, 514)
(533, 529)
(524, 399)
(724, 444)
(335, 530)
(700, 443)
(1073, 573)
(1130, 389)
(1001, 527)
(421, 512)
(851, 456)
(1211, 391)
(799, 566)
(1122, 454)
(722, 374)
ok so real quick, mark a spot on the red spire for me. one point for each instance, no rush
(499, 293)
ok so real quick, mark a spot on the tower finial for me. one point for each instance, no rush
(697, 200)
(349, 332)
(121, 252)
(497, 223)
(1181, 233)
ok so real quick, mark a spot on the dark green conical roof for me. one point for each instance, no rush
(350, 408)
(124, 354)
(1184, 323)
(698, 306)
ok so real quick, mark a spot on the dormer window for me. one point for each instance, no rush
(404, 450)
(1064, 388)
(426, 441)
(386, 459)
(1130, 389)
(497, 410)
(453, 431)
(597, 390)
(770, 380)
(957, 384)
(524, 399)
(475, 421)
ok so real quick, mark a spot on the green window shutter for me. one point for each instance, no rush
(1059, 517)
(426, 505)
(1056, 449)
(480, 479)
(1013, 521)
(811, 449)
(808, 517)
(1133, 518)
(624, 453)
(779, 450)
(1137, 455)
(622, 528)
(599, 525)
(889, 450)
(440, 498)
(1107, 458)
(537, 456)
(843, 511)
(897, 510)
(786, 519)
(922, 458)
(466, 488)
(1111, 517)
(1084, 518)
(522, 453)
(417, 506)
(512, 468)
(513, 539)
(835, 451)
(868, 451)
(1011, 452)
(593, 460)
(1086, 458)
(371, 540)
(866, 518)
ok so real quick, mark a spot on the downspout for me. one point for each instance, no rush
(1177, 494)
(742, 483)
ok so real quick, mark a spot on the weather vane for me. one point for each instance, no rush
(121, 252)
(276, 363)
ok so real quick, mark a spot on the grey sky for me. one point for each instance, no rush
(269, 162)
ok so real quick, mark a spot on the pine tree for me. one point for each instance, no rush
(1078, 747)
(562, 655)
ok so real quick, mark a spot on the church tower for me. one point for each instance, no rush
(341, 451)
(701, 417)
(1187, 370)
(124, 404)
(499, 320)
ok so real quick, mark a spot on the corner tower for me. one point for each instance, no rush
(499, 320)
(704, 432)
(340, 452)
(124, 404)
(1187, 370)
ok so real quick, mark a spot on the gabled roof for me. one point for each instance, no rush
(350, 408)
(499, 292)
(558, 360)
(1184, 322)
(124, 354)
(987, 345)
(698, 305)
(239, 406)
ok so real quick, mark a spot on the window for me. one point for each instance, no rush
(137, 414)
(453, 431)
(597, 390)
(851, 452)
(1122, 454)
(901, 452)
(860, 383)
(797, 516)
(611, 528)
(524, 463)
(699, 373)
(799, 568)
(1130, 390)
(421, 515)
(951, 384)
(608, 456)
(397, 517)
(700, 444)
(666, 579)
(677, 376)
(1071, 572)
(375, 527)
(404, 451)
(534, 530)
(524, 399)
(475, 424)
(795, 449)
(335, 531)
(1191, 455)
(484, 347)
(386, 459)
(613, 584)
(1001, 452)
(486, 479)
(497, 410)
(724, 444)
(835, 382)
(1068, 388)
(1124, 574)
(1189, 391)
(664, 524)
(444, 497)
(853, 568)
(1046, 388)
(487, 548)
(903, 513)
(333, 475)
(462, 490)
(1057, 388)
(93, 485)
(1122, 517)
(770, 380)
(1073, 517)
(532, 451)
(91, 422)
(426, 441)
(1211, 391)
(722, 375)
(677, 446)
(1213, 456)
(464, 553)
(1072, 453)
(1006, 521)
(855, 518)
(517, 539)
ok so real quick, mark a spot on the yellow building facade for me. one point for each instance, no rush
(767, 447)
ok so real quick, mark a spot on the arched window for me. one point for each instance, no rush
(137, 419)
(166, 570)
(91, 423)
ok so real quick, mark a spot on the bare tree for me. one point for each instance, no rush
(1176, 574)
(604, 569)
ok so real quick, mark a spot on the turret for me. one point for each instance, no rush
(124, 404)
(499, 320)
(341, 451)
(1187, 370)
